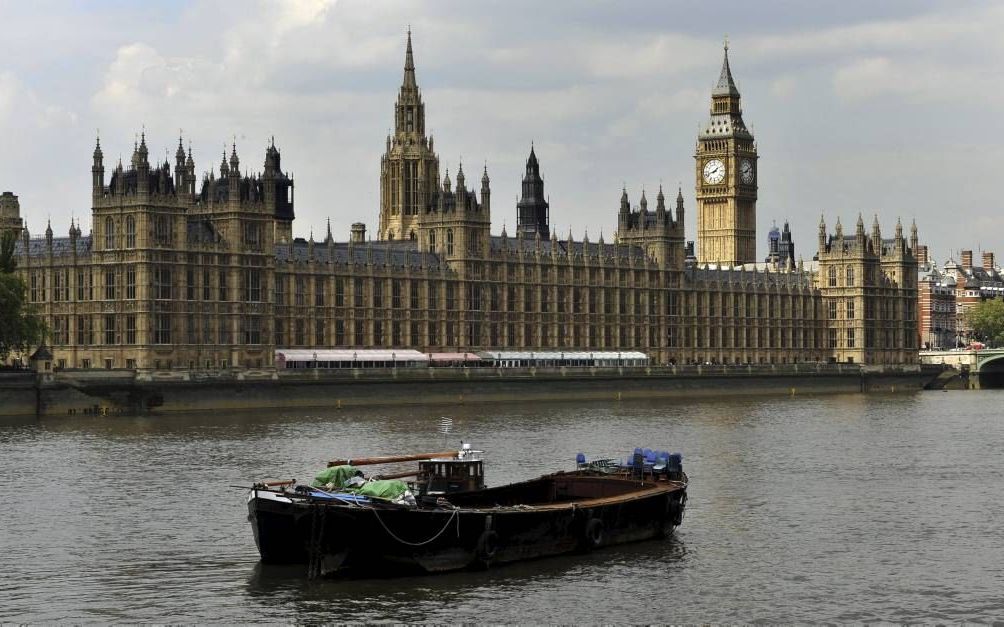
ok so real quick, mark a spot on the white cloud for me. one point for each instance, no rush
(647, 57)
(783, 87)
(935, 30)
(605, 101)
(9, 88)
(876, 77)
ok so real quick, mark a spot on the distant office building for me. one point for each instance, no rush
(972, 284)
(780, 248)
(936, 309)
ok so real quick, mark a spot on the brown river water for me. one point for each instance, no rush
(844, 508)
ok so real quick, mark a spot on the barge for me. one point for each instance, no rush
(452, 522)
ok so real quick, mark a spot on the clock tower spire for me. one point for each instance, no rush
(726, 179)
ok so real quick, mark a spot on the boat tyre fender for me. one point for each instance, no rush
(487, 547)
(593, 534)
(681, 508)
(675, 505)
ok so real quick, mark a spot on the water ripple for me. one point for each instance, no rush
(878, 508)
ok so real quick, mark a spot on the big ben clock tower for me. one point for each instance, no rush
(726, 169)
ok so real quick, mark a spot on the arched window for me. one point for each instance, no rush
(130, 232)
(850, 277)
(412, 236)
(833, 276)
(449, 241)
(109, 233)
(432, 241)
(390, 235)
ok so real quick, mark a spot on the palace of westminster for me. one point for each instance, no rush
(178, 273)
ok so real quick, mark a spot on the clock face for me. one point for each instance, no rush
(746, 171)
(714, 172)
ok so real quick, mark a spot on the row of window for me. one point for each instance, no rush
(874, 338)
(113, 330)
(380, 333)
(162, 232)
(534, 299)
(871, 275)
(252, 286)
(110, 330)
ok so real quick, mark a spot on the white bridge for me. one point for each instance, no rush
(975, 361)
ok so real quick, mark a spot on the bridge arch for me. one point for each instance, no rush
(990, 369)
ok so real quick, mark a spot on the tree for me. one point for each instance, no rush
(987, 321)
(20, 328)
(8, 239)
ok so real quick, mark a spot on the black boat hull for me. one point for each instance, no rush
(331, 537)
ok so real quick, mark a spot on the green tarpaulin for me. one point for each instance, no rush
(385, 489)
(337, 475)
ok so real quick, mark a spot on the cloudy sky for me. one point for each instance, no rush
(858, 106)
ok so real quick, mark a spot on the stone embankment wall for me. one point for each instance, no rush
(101, 392)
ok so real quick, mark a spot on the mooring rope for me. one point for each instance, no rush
(455, 514)
(315, 555)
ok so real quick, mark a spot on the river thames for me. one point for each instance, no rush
(844, 508)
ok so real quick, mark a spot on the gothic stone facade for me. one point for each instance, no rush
(172, 276)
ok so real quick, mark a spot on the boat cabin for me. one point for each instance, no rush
(446, 476)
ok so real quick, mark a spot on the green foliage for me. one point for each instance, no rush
(987, 321)
(20, 328)
(7, 261)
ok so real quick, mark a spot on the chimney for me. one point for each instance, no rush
(358, 233)
(988, 261)
(922, 255)
(967, 260)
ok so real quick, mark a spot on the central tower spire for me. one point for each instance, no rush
(409, 169)
(409, 67)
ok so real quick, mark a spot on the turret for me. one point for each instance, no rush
(98, 171)
(533, 209)
(679, 209)
(73, 238)
(142, 166)
(180, 171)
(876, 235)
(914, 242)
(822, 233)
(660, 206)
(190, 172)
(486, 192)
(859, 231)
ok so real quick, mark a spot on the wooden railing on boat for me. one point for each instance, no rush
(392, 459)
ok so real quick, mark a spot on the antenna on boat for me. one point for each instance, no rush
(445, 426)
